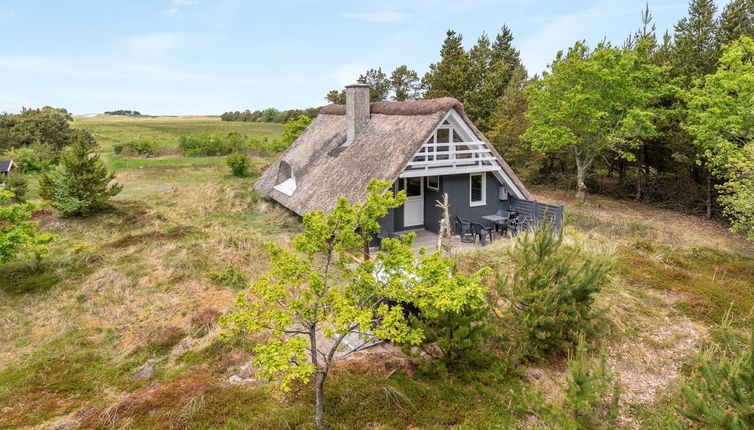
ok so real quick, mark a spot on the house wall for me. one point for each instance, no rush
(457, 187)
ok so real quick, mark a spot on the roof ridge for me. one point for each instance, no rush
(409, 107)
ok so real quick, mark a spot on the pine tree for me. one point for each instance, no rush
(81, 184)
(379, 84)
(696, 43)
(736, 20)
(450, 77)
(404, 83)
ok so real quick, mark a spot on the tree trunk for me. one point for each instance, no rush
(709, 195)
(580, 173)
(366, 248)
(639, 190)
(319, 379)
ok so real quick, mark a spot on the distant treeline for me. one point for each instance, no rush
(123, 112)
(269, 115)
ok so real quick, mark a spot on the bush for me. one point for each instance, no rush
(720, 392)
(35, 158)
(550, 293)
(205, 144)
(118, 148)
(453, 339)
(592, 394)
(81, 185)
(18, 184)
(238, 163)
(144, 146)
(231, 276)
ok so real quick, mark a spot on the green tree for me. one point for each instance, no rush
(18, 235)
(337, 97)
(697, 45)
(551, 293)
(720, 120)
(720, 392)
(404, 83)
(46, 126)
(591, 102)
(736, 20)
(451, 76)
(238, 163)
(318, 293)
(379, 84)
(293, 128)
(81, 184)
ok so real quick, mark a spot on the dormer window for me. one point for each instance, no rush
(286, 181)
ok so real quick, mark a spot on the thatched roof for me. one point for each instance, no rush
(325, 170)
(5, 166)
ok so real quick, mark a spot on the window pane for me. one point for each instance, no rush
(456, 137)
(433, 182)
(476, 188)
(413, 187)
(443, 135)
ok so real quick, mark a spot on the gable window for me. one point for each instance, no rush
(286, 182)
(477, 185)
(433, 183)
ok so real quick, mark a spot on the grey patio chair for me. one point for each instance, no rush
(484, 232)
(520, 224)
(502, 226)
(465, 230)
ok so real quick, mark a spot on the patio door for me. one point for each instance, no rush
(413, 209)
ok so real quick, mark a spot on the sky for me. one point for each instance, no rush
(196, 57)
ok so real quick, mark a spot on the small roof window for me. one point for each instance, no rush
(286, 182)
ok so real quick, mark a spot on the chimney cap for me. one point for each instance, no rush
(357, 85)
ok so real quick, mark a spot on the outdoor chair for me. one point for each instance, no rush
(484, 232)
(502, 226)
(520, 224)
(465, 230)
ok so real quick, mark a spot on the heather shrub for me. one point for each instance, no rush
(205, 144)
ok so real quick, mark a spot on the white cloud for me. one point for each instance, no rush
(378, 17)
(173, 12)
(185, 2)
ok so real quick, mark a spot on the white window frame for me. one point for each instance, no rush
(437, 188)
(483, 202)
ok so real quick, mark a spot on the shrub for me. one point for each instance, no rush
(18, 235)
(18, 184)
(231, 276)
(550, 293)
(720, 392)
(81, 185)
(35, 158)
(238, 163)
(118, 148)
(205, 144)
(453, 339)
(144, 146)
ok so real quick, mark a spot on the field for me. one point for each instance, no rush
(116, 327)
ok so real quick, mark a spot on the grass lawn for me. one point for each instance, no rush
(116, 327)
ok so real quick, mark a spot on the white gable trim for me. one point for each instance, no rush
(478, 157)
(287, 187)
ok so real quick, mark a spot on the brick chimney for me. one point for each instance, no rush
(357, 110)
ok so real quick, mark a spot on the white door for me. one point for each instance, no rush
(413, 209)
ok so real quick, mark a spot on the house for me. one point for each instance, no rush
(5, 167)
(426, 147)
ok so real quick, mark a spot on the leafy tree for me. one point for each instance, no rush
(551, 293)
(593, 102)
(81, 184)
(318, 293)
(18, 235)
(18, 185)
(720, 391)
(720, 120)
(293, 128)
(238, 163)
(404, 83)
(46, 126)
(736, 20)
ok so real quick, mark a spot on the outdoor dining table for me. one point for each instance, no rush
(494, 218)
